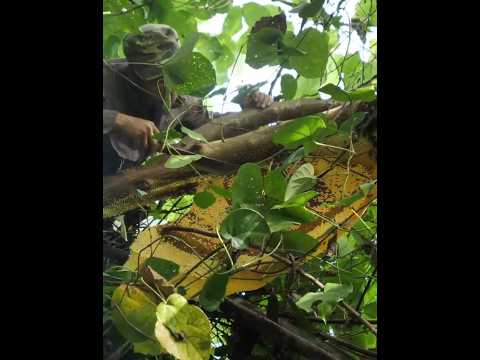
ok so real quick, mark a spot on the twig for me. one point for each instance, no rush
(330, 321)
(365, 290)
(197, 265)
(346, 344)
(347, 307)
(275, 80)
(174, 228)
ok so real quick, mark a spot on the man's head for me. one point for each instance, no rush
(155, 44)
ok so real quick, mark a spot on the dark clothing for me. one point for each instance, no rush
(123, 92)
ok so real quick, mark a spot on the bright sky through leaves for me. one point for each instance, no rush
(244, 74)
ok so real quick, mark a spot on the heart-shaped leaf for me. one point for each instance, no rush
(183, 330)
(178, 161)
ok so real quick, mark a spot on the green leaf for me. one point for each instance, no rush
(298, 132)
(262, 48)
(220, 91)
(277, 220)
(111, 46)
(204, 199)
(178, 68)
(297, 200)
(213, 291)
(169, 136)
(364, 340)
(227, 194)
(302, 180)
(355, 72)
(248, 185)
(306, 301)
(153, 159)
(148, 348)
(301, 214)
(118, 274)
(233, 22)
(252, 12)
(220, 6)
(335, 92)
(366, 11)
(307, 87)
(331, 295)
(183, 329)
(345, 245)
(222, 65)
(362, 94)
(275, 185)
(349, 125)
(177, 301)
(194, 76)
(287, 51)
(193, 134)
(215, 50)
(178, 161)
(168, 269)
(133, 313)
(162, 12)
(244, 227)
(364, 190)
(315, 45)
(370, 310)
(309, 147)
(289, 86)
(350, 200)
(325, 309)
(366, 187)
(332, 40)
(332, 73)
(322, 133)
(309, 10)
(295, 156)
(298, 242)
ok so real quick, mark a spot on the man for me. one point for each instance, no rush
(134, 98)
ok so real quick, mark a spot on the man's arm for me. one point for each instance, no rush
(131, 137)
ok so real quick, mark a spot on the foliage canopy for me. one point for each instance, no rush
(293, 237)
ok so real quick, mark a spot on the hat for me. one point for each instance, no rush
(155, 44)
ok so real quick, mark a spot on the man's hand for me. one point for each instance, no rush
(132, 137)
(257, 100)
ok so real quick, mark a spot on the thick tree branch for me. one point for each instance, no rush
(261, 324)
(251, 147)
(239, 123)
(220, 157)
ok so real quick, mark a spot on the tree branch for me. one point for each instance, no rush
(312, 279)
(220, 157)
(260, 323)
(250, 119)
